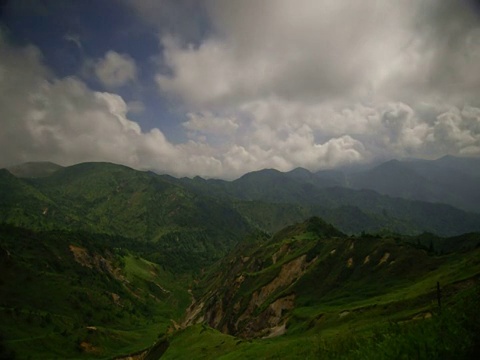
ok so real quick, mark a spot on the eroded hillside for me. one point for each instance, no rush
(312, 276)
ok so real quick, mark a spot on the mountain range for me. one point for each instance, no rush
(99, 260)
(448, 180)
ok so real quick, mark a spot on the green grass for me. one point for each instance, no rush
(53, 307)
(453, 334)
(333, 302)
(49, 302)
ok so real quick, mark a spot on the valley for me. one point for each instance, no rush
(98, 261)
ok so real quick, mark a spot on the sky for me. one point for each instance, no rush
(218, 88)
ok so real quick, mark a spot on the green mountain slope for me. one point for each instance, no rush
(449, 180)
(351, 210)
(110, 198)
(312, 284)
(77, 295)
(397, 216)
(354, 211)
(401, 215)
(284, 269)
(186, 230)
(24, 205)
(97, 258)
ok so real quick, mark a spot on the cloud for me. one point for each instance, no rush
(296, 130)
(62, 120)
(450, 34)
(208, 124)
(318, 51)
(323, 83)
(262, 84)
(459, 129)
(136, 107)
(74, 39)
(115, 70)
(309, 50)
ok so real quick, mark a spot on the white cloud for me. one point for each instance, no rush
(62, 120)
(458, 129)
(136, 107)
(308, 49)
(323, 50)
(115, 70)
(295, 130)
(207, 123)
(74, 38)
(323, 83)
(273, 83)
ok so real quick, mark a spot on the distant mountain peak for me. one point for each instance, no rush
(266, 171)
(390, 166)
(261, 173)
(299, 170)
(300, 173)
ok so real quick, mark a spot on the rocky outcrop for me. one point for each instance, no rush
(384, 258)
(193, 314)
(288, 274)
(95, 261)
(263, 313)
(272, 321)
